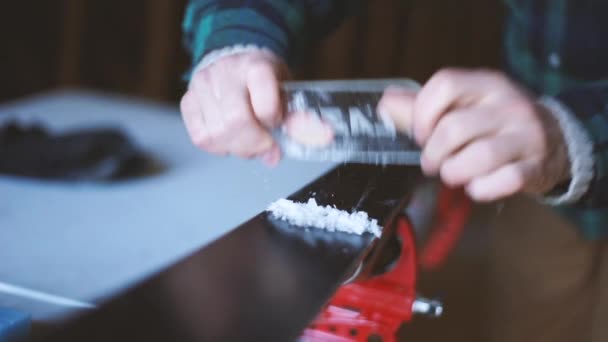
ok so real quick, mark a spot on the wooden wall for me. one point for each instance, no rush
(134, 47)
(412, 39)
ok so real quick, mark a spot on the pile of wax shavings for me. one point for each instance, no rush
(310, 214)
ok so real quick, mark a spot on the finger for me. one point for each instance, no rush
(454, 130)
(308, 129)
(506, 181)
(210, 115)
(272, 157)
(243, 134)
(480, 158)
(397, 105)
(265, 95)
(195, 124)
(192, 117)
(446, 90)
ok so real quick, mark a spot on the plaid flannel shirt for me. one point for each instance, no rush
(554, 47)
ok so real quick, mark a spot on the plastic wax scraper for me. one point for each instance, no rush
(349, 108)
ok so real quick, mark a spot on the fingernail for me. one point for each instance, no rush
(268, 160)
(473, 190)
(271, 163)
(266, 157)
(427, 166)
(272, 157)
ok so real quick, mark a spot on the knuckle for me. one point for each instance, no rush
(212, 135)
(448, 73)
(262, 69)
(448, 86)
(448, 77)
(238, 120)
(187, 104)
(202, 76)
(451, 130)
(201, 140)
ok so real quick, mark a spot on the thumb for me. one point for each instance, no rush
(265, 95)
(397, 105)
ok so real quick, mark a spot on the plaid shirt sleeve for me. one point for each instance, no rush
(590, 104)
(282, 26)
(557, 49)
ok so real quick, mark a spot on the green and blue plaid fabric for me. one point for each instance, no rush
(283, 26)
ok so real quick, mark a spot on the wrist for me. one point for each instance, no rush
(574, 157)
(238, 49)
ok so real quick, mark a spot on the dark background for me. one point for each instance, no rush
(134, 47)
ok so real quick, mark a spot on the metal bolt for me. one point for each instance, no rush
(427, 307)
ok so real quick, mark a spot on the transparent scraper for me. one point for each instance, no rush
(350, 108)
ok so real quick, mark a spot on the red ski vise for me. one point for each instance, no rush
(373, 309)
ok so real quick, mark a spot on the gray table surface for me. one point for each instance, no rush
(65, 245)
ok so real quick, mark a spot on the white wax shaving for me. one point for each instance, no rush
(310, 214)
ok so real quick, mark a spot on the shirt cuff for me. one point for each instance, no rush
(215, 55)
(580, 153)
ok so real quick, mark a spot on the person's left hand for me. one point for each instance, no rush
(479, 130)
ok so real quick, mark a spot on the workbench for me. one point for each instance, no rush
(85, 242)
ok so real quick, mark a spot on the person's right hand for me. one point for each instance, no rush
(231, 105)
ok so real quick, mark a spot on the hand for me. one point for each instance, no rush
(479, 130)
(231, 105)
